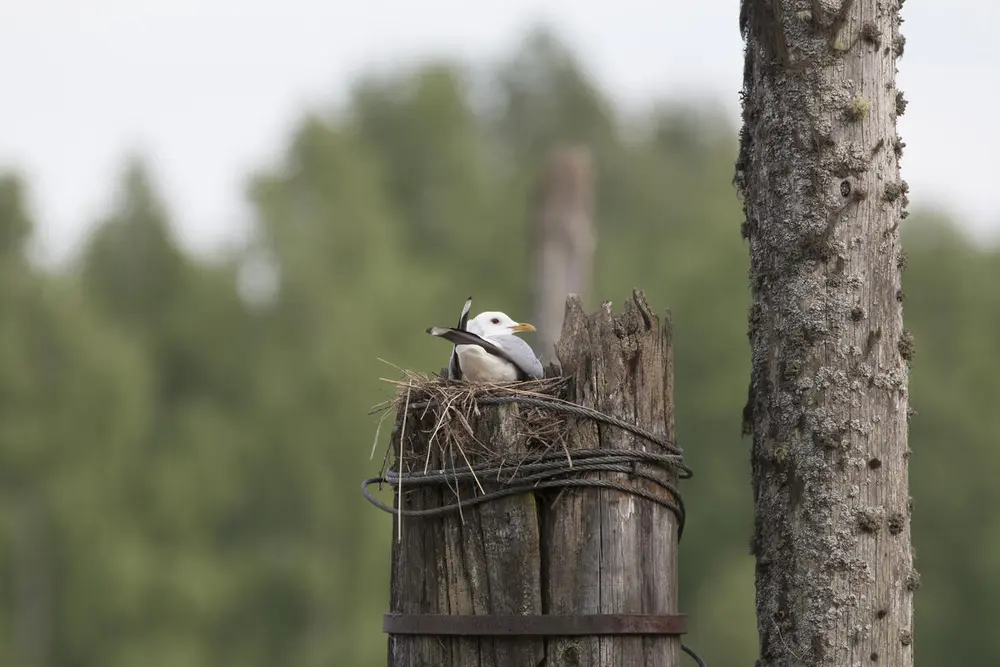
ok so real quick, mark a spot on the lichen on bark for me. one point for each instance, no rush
(828, 390)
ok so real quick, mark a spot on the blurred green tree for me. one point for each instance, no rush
(183, 502)
(952, 285)
(73, 397)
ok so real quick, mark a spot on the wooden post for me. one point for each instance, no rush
(563, 240)
(557, 551)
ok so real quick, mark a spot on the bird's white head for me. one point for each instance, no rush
(494, 323)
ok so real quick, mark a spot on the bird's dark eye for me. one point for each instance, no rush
(495, 320)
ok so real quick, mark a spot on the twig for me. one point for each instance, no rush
(402, 437)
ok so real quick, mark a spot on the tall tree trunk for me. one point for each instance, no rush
(819, 173)
(563, 240)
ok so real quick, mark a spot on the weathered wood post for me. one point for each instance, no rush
(579, 567)
(563, 240)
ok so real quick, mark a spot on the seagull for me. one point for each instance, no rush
(488, 351)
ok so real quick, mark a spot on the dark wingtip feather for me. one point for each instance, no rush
(463, 319)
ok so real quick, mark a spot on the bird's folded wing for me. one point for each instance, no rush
(457, 337)
(522, 356)
(509, 348)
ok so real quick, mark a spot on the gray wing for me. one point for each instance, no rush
(454, 367)
(521, 355)
(510, 348)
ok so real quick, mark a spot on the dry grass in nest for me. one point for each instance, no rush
(447, 410)
(451, 407)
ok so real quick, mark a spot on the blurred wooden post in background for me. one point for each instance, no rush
(498, 585)
(563, 240)
(31, 588)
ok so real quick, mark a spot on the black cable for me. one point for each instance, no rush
(690, 652)
(556, 470)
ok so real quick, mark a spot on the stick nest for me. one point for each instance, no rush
(448, 410)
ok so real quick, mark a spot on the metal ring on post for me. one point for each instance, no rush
(547, 625)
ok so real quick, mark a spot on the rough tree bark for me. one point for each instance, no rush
(563, 240)
(564, 551)
(819, 174)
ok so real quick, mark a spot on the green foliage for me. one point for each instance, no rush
(953, 307)
(74, 396)
(15, 227)
(180, 455)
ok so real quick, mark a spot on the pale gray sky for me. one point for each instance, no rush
(209, 90)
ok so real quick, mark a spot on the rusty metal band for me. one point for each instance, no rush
(546, 625)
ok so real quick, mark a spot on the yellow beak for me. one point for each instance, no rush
(523, 326)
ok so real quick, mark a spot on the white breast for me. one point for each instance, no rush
(478, 365)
